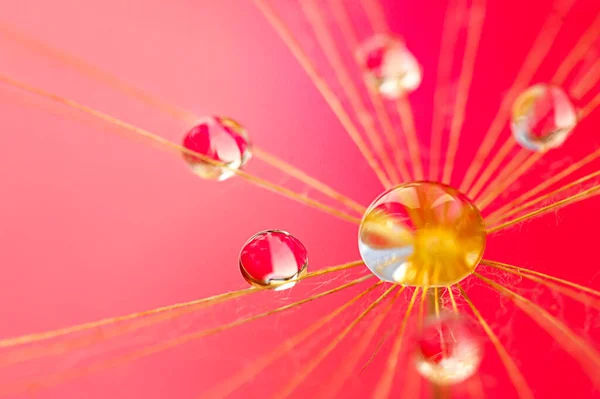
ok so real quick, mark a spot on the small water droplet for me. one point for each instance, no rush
(220, 139)
(542, 117)
(390, 66)
(422, 234)
(448, 351)
(273, 259)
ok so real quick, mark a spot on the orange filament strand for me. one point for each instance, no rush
(422, 308)
(577, 53)
(380, 343)
(305, 371)
(95, 73)
(339, 378)
(241, 377)
(136, 321)
(523, 270)
(510, 177)
(351, 38)
(436, 301)
(379, 24)
(587, 356)
(594, 102)
(327, 44)
(569, 200)
(502, 215)
(450, 32)
(139, 132)
(407, 122)
(323, 188)
(566, 66)
(541, 47)
(383, 388)
(334, 102)
(578, 296)
(454, 307)
(175, 112)
(74, 373)
(501, 186)
(517, 379)
(587, 82)
(476, 20)
(491, 167)
(550, 181)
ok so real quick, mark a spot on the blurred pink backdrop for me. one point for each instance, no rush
(93, 224)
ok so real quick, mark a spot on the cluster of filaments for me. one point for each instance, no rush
(421, 234)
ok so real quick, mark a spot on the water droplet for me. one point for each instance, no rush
(542, 117)
(422, 234)
(272, 259)
(448, 351)
(220, 139)
(391, 67)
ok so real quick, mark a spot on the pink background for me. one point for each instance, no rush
(94, 225)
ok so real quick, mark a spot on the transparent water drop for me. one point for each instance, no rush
(422, 234)
(220, 139)
(273, 259)
(542, 117)
(448, 350)
(390, 66)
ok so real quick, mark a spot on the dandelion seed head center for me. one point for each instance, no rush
(422, 234)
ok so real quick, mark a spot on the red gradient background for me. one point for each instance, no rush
(95, 225)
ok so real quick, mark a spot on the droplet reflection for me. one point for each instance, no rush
(422, 234)
(220, 139)
(542, 118)
(273, 259)
(391, 67)
(448, 351)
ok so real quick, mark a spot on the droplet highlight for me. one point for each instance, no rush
(448, 351)
(273, 259)
(391, 68)
(542, 118)
(422, 234)
(219, 139)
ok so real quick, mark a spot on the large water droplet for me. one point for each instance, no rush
(220, 139)
(390, 66)
(542, 117)
(273, 259)
(422, 234)
(448, 351)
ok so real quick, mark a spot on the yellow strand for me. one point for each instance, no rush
(585, 354)
(136, 321)
(450, 35)
(350, 36)
(180, 149)
(542, 45)
(334, 102)
(339, 378)
(327, 44)
(454, 307)
(379, 24)
(523, 270)
(584, 299)
(245, 375)
(77, 372)
(302, 373)
(569, 200)
(519, 382)
(497, 217)
(383, 388)
(476, 20)
(550, 181)
(174, 111)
